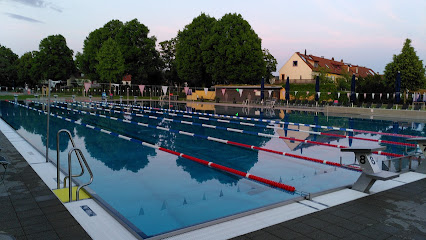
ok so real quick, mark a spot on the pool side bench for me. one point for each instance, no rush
(371, 171)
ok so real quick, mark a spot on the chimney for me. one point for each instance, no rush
(348, 68)
(322, 56)
(356, 70)
(305, 52)
(332, 59)
(341, 61)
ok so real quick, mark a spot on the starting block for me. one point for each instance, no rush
(422, 144)
(371, 171)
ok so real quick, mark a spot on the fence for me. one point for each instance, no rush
(155, 91)
(116, 90)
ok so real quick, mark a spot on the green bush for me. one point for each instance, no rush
(303, 88)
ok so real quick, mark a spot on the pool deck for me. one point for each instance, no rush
(28, 208)
(398, 213)
(395, 210)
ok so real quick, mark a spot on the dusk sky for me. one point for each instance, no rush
(365, 33)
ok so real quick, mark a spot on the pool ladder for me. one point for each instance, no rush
(81, 160)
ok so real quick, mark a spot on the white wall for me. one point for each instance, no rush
(301, 71)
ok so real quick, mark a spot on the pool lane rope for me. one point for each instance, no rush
(270, 121)
(219, 140)
(236, 130)
(198, 160)
(262, 126)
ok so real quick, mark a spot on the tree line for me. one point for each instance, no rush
(207, 51)
(54, 60)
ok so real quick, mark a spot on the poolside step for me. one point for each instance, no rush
(63, 194)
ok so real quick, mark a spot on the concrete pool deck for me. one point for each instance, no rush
(28, 208)
(396, 210)
(398, 213)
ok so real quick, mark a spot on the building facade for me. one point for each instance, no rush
(302, 68)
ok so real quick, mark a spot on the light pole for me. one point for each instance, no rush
(48, 117)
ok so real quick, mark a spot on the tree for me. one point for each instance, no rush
(372, 84)
(28, 69)
(8, 74)
(189, 59)
(270, 62)
(168, 55)
(233, 53)
(55, 59)
(343, 82)
(411, 68)
(111, 62)
(86, 61)
(141, 59)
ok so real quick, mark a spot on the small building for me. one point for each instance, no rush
(127, 80)
(250, 92)
(303, 68)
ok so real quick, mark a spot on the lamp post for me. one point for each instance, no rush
(48, 117)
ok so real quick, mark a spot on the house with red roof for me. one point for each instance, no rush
(127, 79)
(303, 68)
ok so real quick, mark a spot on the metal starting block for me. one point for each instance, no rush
(371, 171)
(422, 144)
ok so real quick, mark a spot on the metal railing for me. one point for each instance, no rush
(396, 164)
(77, 150)
(81, 159)
(58, 161)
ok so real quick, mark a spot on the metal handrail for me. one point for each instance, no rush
(58, 171)
(410, 158)
(77, 150)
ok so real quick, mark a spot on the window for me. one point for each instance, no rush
(294, 63)
(315, 64)
(282, 76)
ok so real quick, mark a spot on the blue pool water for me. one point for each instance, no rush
(158, 192)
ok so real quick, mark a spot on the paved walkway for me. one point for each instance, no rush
(398, 213)
(28, 208)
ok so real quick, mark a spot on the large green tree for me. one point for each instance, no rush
(28, 70)
(141, 59)
(8, 74)
(110, 65)
(168, 55)
(55, 59)
(411, 68)
(233, 53)
(86, 61)
(189, 57)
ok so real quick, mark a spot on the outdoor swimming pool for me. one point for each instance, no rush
(158, 192)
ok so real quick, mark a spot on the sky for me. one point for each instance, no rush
(365, 33)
